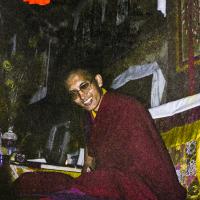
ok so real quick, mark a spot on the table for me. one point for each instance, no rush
(6, 186)
(6, 190)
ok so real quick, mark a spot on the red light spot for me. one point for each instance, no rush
(39, 2)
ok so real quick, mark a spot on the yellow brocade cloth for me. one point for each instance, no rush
(183, 144)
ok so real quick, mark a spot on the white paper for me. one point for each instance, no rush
(175, 107)
(80, 161)
(39, 160)
(161, 6)
(140, 71)
(62, 168)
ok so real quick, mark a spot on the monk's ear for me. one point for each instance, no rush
(99, 80)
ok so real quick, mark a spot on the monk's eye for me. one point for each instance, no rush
(73, 95)
(84, 87)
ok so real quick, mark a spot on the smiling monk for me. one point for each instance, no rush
(131, 161)
(125, 159)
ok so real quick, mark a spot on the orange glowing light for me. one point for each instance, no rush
(39, 2)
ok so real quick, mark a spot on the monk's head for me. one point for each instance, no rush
(84, 88)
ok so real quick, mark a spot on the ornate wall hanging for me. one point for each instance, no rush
(188, 38)
(188, 32)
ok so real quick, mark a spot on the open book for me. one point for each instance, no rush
(41, 165)
(75, 168)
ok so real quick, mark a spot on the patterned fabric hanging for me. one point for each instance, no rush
(39, 2)
(191, 69)
(189, 28)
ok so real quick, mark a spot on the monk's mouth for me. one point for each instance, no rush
(88, 102)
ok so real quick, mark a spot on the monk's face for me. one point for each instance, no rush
(84, 92)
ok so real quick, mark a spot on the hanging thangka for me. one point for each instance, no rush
(38, 2)
(188, 38)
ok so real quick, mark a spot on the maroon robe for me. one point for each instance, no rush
(132, 162)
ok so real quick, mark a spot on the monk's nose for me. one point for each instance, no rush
(81, 95)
